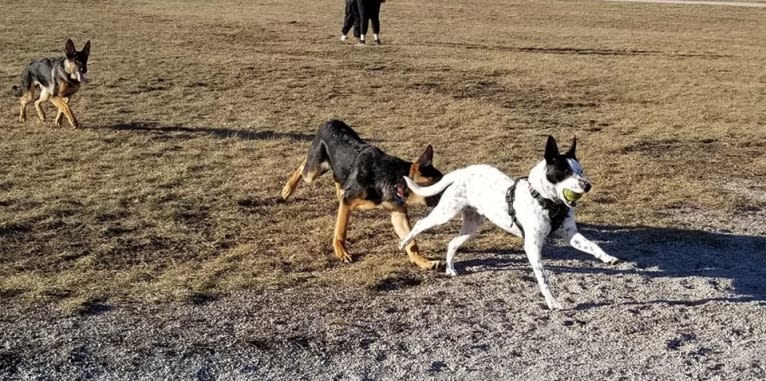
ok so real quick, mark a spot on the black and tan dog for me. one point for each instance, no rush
(58, 79)
(366, 178)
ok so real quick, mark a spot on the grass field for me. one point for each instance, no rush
(197, 113)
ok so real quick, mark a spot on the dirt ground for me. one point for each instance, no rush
(151, 244)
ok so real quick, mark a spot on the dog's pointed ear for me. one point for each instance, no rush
(427, 157)
(551, 150)
(571, 152)
(86, 48)
(70, 51)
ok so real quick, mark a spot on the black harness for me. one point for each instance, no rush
(557, 212)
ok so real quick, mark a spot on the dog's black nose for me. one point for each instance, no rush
(586, 187)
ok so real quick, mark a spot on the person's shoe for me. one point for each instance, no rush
(343, 38)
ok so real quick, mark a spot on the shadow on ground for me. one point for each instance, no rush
(656, 252)
(572, 51)
(222, 133)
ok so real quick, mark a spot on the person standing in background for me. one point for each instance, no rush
(369, 10)
(350, 19)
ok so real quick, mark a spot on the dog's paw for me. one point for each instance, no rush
(435, 265)
(553, 305)
(286, 192)
(344, 256)
(451, 271)
(340, 252)
(426, 264)
(610, 260)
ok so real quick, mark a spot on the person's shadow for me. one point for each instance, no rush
(730, 263)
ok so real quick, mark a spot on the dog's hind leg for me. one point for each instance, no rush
(26, 99)
(471, 222)
(401, 223)
(314, 166)
(44, 96)
(533, 248)
(339, 191)
(292, 182)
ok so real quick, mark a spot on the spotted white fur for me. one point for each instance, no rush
(479, 191)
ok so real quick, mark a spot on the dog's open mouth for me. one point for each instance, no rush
(81, 77)
(572, 196)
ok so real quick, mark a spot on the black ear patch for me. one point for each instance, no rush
(571, 151)
(86, 49)
(70, 50)
(551, 150)
(557, 167)
(427, 157)
(558, 171)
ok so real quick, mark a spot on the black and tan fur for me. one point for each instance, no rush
(58, 79)
(366, 178)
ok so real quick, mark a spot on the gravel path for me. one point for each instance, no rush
(683, 304)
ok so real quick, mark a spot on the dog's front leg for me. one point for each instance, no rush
(533, 247)
(579, 242)
(64, 107)
(60, 113)
(401, 223)
(339, 238)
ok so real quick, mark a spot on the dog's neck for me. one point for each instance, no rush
(539, 183)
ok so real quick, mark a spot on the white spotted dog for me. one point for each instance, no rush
(531, 208)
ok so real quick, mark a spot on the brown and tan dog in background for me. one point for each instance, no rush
(366, 178)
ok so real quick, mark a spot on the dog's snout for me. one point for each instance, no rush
(586, 186)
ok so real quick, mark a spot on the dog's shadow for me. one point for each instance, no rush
(735, 264)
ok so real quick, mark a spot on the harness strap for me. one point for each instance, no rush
(557, 212)
(510, 195)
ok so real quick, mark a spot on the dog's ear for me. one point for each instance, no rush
(427, 157)
(70, 51)
(551, 150)
(86, 48)
(571, 152)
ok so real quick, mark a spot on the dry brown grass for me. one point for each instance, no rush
(197, 113)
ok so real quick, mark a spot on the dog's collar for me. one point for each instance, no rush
(544, 202)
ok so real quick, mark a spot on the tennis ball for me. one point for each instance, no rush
(571, 195)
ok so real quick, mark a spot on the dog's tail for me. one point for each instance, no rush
(17, 90)
(431, 190)
(26, 84)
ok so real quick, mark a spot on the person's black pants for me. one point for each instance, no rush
(351, 18)
(369, 10)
